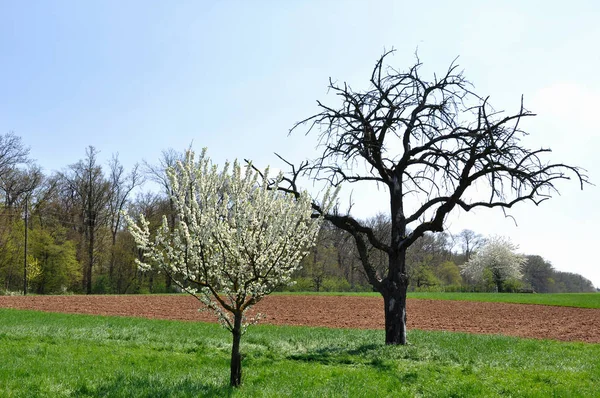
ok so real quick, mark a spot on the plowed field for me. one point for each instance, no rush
(522, 320)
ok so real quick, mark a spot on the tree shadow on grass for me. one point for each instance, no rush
(145, 386)
(366, 354)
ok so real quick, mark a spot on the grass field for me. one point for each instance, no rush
(581, 300)
(60, 355)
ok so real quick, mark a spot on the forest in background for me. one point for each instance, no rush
(70, 224)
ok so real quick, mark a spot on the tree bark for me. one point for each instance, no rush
(235, 379)
(394, 301)
(395, 285)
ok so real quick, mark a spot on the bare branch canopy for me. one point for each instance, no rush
(436, 146)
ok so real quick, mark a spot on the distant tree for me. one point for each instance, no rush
(448, 273)
(11, 255)
(469, 241)
(16, 183)
(12, 152)
(428, 253)
(235, 240)
(539, 274)
(154, 206)
(121, 186)
(347, 259)
(158, 174)
(434, 146)
(423, 277)
(496, 259)
(45, 204)
(381, 225)
(319, 264)
(568, 282)
(56, 258)
(90, 191)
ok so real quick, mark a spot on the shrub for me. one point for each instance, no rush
(334, 284)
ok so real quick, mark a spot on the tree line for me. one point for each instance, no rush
(77, 241)
(72, 223)
(434, 263)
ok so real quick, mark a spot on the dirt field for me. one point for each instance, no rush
(522, 320)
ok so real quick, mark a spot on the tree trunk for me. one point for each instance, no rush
(394, 300)
(498, 281)
(168, 283)
(111, 269)
(236, 358)
(395, 285)
(88, 287)
(316, 278)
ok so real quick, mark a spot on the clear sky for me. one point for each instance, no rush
(137, 77)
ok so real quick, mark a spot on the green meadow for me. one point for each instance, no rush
(60, 355)
(581, 300)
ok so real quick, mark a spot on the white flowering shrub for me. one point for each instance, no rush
(236, 238)
(499, 257)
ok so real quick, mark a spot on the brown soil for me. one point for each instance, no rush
(522, 320)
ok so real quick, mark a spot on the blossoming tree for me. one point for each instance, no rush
(499, 258)
(236, 239)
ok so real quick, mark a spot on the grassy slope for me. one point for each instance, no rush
(582, 300)
(58, 355)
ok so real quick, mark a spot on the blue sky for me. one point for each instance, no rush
(137, 77)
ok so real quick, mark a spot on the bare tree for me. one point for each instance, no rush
(12, 152)
(18, 186)
(16, 183)
(45, 199)
(429, 143)
(157, 173)
(121, 186)
(90, 190)
(469, 242)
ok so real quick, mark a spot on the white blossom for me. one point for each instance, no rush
(236, 237)
(499, 256)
